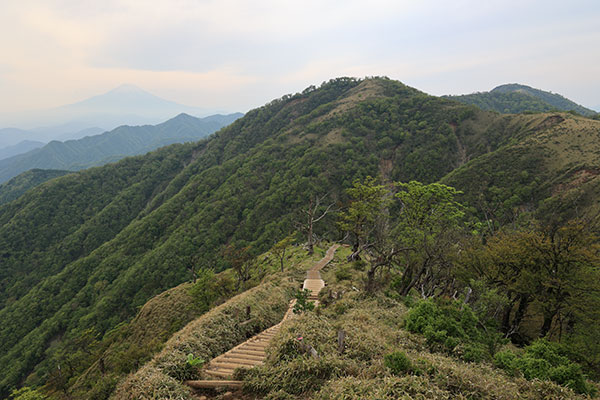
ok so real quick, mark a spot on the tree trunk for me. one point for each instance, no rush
(309, 243)
(371, 279)
(407, 287)
(548, 317)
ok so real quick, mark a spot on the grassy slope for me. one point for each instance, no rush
(219, 330)
(556, 158)
(374, 328)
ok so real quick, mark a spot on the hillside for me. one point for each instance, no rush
(375, 328)
(19, 148)
(21, 183)
(514, 98)
(81, 253)
(111, 146)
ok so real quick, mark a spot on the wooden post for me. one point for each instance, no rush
(341, 338)
(247, 311)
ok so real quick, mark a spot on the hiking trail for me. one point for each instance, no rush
(252, 352)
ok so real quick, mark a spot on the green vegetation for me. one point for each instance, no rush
(90, 151)
(302, 303)
(21, 183)
(546, 361)
(453, 329)
(514, 98)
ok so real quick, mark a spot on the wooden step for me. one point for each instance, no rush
(243, 356)
(217, 374)
(248, 352)
(204, 384)
(256, 346)
(232, 364)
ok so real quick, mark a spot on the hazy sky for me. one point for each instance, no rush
(237, 55)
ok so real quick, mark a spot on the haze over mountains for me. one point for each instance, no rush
(124, 105)
(111, 146)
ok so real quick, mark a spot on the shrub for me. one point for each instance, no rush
(302, 302)
(343, 274)
(300, 375)
(398, 363)
(452, 328)
(546, 361)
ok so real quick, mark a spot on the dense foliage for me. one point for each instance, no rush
(21, 183)
(514, 98)
(545, 360)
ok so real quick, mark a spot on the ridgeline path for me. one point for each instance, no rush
(252, 352)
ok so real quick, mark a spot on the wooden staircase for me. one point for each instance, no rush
(252, 352)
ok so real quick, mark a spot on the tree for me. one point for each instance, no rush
(241, 262)
(313, 213)
(554, 267)
(367, 220)
(427, 229)
(27, 393)
(279, 249)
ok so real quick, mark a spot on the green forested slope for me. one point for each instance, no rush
(515, 98)
(21, 183)
(111, 146)
(83, 252)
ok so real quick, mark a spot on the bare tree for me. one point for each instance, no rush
(314, 213)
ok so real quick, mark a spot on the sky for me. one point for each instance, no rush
(238, 55)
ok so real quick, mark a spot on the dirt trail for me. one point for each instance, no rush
(252, 352)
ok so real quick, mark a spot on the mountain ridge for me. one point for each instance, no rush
(110, 146)
(518, 98)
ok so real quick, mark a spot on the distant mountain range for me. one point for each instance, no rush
(19, 148)
(111, 146)
(124, 105)
(515, 98)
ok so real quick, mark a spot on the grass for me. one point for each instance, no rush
(218, 330)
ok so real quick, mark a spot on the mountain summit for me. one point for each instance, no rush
(514, 98)
(124, 105)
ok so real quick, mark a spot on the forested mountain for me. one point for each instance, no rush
(111, 146)
(19, 148)
(18, 185)
(81, 253)
(514, 98)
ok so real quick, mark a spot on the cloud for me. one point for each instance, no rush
(202, 51)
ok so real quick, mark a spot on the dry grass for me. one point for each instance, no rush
(373, 329)
(216, 331)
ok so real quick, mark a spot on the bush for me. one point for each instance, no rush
(452, 328)
(546, 361)
(398, 363)
(299, 375)
(343, 274)
(302, 302)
